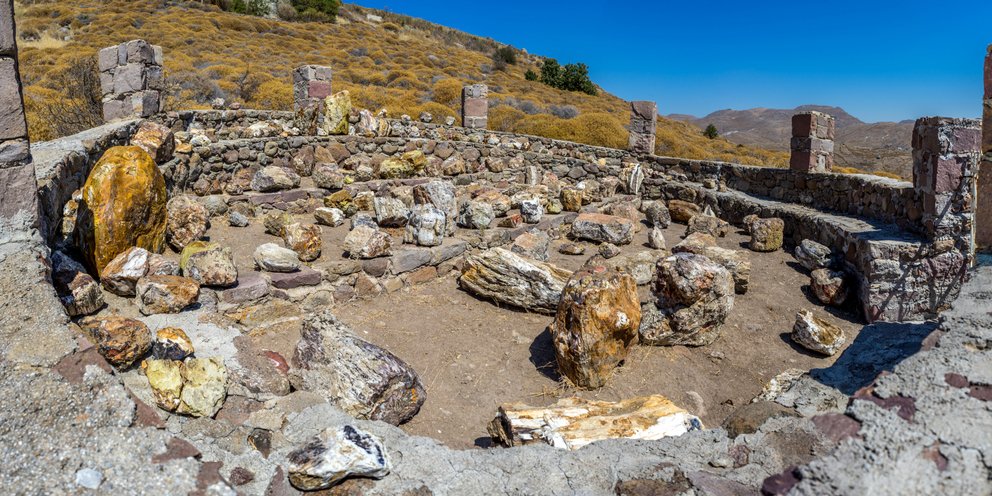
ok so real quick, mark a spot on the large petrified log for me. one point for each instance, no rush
(506, 277)
(359, 377)
(575, 422)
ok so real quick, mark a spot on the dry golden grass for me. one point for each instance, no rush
(403, 65)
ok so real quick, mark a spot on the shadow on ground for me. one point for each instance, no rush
(879, 347)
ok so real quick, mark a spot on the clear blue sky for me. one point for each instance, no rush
(880, 60)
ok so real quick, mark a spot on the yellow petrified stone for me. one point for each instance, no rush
(336, 110)
(123, 205)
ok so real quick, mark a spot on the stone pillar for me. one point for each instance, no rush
(311, 85)
(18, 187)
(475, 106)
(812, 142)
(946, 153)
(131, 80)
(983, 198)
(643, 125)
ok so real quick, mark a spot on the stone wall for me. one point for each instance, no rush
(812, 142)
(131, 79)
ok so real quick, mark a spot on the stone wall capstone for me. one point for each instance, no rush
(643, 126)
(812, 142)
(131, 80)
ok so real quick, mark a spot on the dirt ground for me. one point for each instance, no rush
(473, 355)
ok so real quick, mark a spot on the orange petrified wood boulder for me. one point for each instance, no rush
(123, 205)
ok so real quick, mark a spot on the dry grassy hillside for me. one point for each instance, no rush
(402, 64)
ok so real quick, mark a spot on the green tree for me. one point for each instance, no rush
(711, 132)
(551, 73)
(317, 10)
(575, 77)
(530, 75)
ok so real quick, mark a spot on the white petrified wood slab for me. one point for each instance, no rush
(575, 422)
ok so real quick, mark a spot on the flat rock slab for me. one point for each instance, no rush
(289, 280)
(251, 286)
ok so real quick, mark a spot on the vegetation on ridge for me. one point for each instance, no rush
(402, 64)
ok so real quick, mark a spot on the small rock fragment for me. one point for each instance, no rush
(271, 257)
(327, 216)
(813, 255)
(656, 239)
(171, 343)
(121, 341)
(304, 239)
(187, 221)
(121, 274)
(209, 264)
(366, 243)
(531, 211)
(333, 455)
(816, 334)
(829, 286)
(166, 294)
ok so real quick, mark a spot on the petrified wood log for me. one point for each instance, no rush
(574, 422)
(506, 277)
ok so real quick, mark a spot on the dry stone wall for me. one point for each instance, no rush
(131, 80)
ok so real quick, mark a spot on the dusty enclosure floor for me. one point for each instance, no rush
(473, 355)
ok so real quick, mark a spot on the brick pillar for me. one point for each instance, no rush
(812, 142)
(18, 187)
(131, 80)
(946, 153)
(475, 106)
(643, 125)
(983, 200)
(311, 85)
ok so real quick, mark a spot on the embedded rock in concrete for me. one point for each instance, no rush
(532, 244)
(596, 322)
(426, 227)
(209, 264)
(475, 215)
(694, 243)
(156, 139)
(656, 239)
(274, 178)
(335, 454)
(79, 293)
(694, 297)
(196, 387)
(166, 294)
(123, 205)
(813, 255)
(361, 378)
(390, 212)
(506, 277)
(330, 217)
(187, 221)
(683, 211)
(171, 343)
(767, 234)
(271, 257)
(829, 286)
(532, 211)
(441, 194)
(657, 214)
(572, 423)
(707, 224)
(121, 274)
(121, 341)
(304, 239)
(816, 334)
(735, 261)
(366, 242)
(603, 228)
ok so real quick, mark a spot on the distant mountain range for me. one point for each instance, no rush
(871, 147)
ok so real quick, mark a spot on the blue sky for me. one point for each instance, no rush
(880, 60)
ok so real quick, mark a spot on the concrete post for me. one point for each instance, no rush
(311, 85)
(475, 106)
(131, 80)
(983, 195)
(643, 126)
(18, 187)
(812, 142)
(946, 153)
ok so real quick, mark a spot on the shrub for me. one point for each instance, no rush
(448, 92)
(575, 77)
(75, 106)
(530, 75)
(563, 111)
(286, 11)
(711, 132)
(505, 55)
(317, 10)
(250, 7)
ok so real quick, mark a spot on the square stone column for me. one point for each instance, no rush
(311, 84)
(131, 80)
(983, 198)
(475, 106)
(946, 153)
(812, 142)
(18, 187)
(643, 125)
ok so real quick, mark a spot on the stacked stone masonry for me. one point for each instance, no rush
(131, 80)
(983, 197)
(812, 142)
(475, 106)
(643, 127)
(311, 84)
(18, 204)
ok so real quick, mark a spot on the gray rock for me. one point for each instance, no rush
(271, 257)
(813, 255)
(274, 178)
(89, 478)
(656, 239)
(603, 228)
(390, 212)
(331, 217)
(363, 219)
(506, 277)
(211, 265)
(532, 244)
(237, 219)
(532, 211)
(365, 242)
(441, 194)
(361, 378)
(475, 215)
(79, 293)
(816, 334)
(335, 454)
(657, 214)
(694, 297)
(216, 205)
(426, 227)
